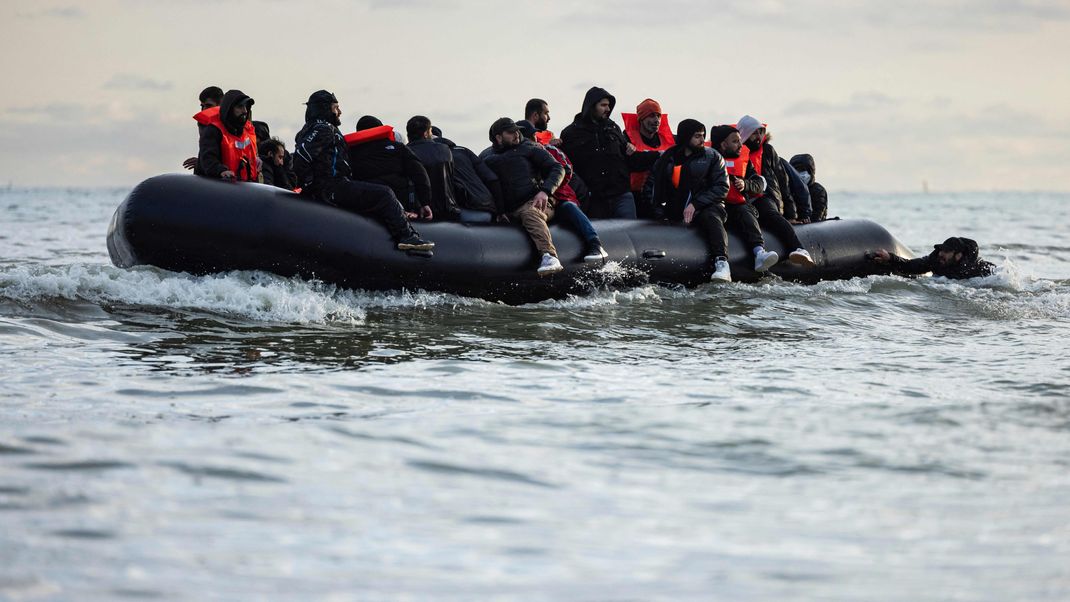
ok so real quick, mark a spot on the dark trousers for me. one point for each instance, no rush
(742, 219)
(373, 200)
(771, 220)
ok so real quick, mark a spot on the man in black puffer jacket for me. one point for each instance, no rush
(322, 167)
(819, 197)
(475, 186)
(603, 157)
(529, 177)
(956, 259)
(387, 162)
(438, 161)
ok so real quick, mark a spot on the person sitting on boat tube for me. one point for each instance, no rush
(475, 186)
(438, 161)
(648, 130)
(689, 184)
(763, 161)
(228, 143)
(566, 204)
(378, 158)
(209, 97)
(322, 166)
(529, 176)
(537, 113)
(956, 258)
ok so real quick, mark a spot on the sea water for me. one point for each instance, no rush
(243, 436)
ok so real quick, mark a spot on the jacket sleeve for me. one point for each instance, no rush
(641, 160)
(309, 149)
(552, 172)
(753, 184)
(490, 179)
(799, 193)
(716, 188)
(417, 174)
(267, 171)
(910, 267)
(209, 159)
(657, 187)
(819, 200)
(787, 200)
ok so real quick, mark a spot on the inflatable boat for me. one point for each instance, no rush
(192, 224)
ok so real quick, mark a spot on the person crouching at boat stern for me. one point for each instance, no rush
(529, 176)
(228, 143)
(323, 172)
(688, 183)
(566, 204)
(956, 258)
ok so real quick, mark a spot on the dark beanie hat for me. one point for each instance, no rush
(321, 97)
(436, 131)
(719, 133)
(527, 129)
(368, 122)
(687, 128)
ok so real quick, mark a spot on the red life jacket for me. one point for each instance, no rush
(383, 132)
(665, 137)
(238, 153)
(544, 137)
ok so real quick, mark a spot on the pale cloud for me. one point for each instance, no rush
(59, 12)
(127, 81)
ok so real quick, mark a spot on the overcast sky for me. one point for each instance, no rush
(966, 95)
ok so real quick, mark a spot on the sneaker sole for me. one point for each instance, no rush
(423, 247)
(595, 258)
(801, 260)
(547, 272)
(715, 279)
(768, 263)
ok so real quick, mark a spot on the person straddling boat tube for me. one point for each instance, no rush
(566, 204)
(228, 142)
(322, 167)
(764, 162)
(956, 258)
(688, 183)
(528, 176)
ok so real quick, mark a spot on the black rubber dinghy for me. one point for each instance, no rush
(191, 224)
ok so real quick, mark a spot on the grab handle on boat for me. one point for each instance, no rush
(653, 254)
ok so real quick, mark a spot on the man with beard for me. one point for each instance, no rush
(529, 176)
(689, 184)
(438, 161)
(537, 112)
(228, 142)
(322, 167)
(390, 163)
(603, 157)
(764, 162)
(956, 259)
(209, 97)
(648, 129)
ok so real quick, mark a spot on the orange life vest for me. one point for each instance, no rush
(736, 168)
(544, 137)
(383, 132)
(238, 153)
(665, 136)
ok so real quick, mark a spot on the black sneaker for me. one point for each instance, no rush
(413, 242)
(595, 253)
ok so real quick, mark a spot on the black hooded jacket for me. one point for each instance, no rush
(819, 198)
(971, 265)
(703, 180)
(523, 171)
(438, 161)
(598, 149)
(800, 194)
(209, 158)
(475, 186)
(281, 176)
(321, 156)
(392, 164)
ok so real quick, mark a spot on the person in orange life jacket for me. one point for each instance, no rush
(322, 166)
(209, 97)
(390, 163)
(756, 138)
(438, 161)
(566, 206)
(529, 177)
(689, 184)
(228, 145)
(475, 186)
(537, 113)
(603, 157)
(766, 163)
(648, 132)
(819, 197)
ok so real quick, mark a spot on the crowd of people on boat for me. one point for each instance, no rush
(729, 178)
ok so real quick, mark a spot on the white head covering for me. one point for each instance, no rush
(747, 126)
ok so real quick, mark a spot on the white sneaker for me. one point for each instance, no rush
(549, 265)
(763, 260)
(721, 272)
(801, 257)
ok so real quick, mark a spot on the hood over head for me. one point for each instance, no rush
(805, 162)
(747, 125)
(263, 132)
(233, 98)
(319, 107)
(593, 97)
(958, 244)
(686, 129)
(368, 122)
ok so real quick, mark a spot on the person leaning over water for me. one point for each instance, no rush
(689, 183)
(322, 166)
(956, 258)
(529, 177)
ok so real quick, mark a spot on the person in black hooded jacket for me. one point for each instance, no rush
(603, 157)
(321, 162)
(689, 183)
(392, 164)
(956, 258)
(235, 111)
(819, 197)
(274, 171)
(475, 186)
(438, 161)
